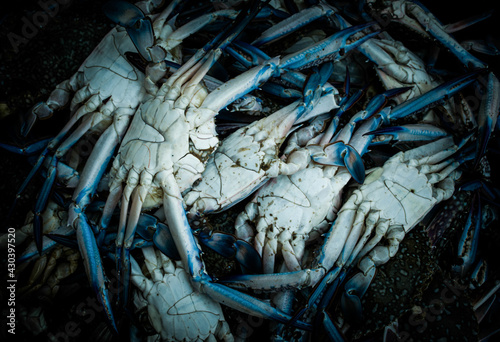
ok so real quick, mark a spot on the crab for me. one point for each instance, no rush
(175, 310)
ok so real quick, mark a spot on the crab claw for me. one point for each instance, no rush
(230, 246)
(340, 154)
(316, 81)
(354, 290)
(123, 13)
(151, 229)
(138, 26)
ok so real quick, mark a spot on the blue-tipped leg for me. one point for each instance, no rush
(486, 47)
(64, 240)
(29, 150)
(93, 266)
(293, 23)
(41, 203)
(418, 132)
(323, 318)
(47, 244)
(330, 49)
(437, 95)
(381, 100)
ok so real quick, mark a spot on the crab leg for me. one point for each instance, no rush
(443, 91)
(409, 132)
(432, 25)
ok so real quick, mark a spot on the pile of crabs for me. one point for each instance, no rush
(351, 210)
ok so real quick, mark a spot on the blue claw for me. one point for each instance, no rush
(480, 274)
(138, 26)
(375, 106)
(340, 154)
(348, 102)
(485, 47)
(313, 87)
(252, 57)
(354, 290)
(149, 228)
(280, 91)
(123, 13)
(230, 246)
(354, 164)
